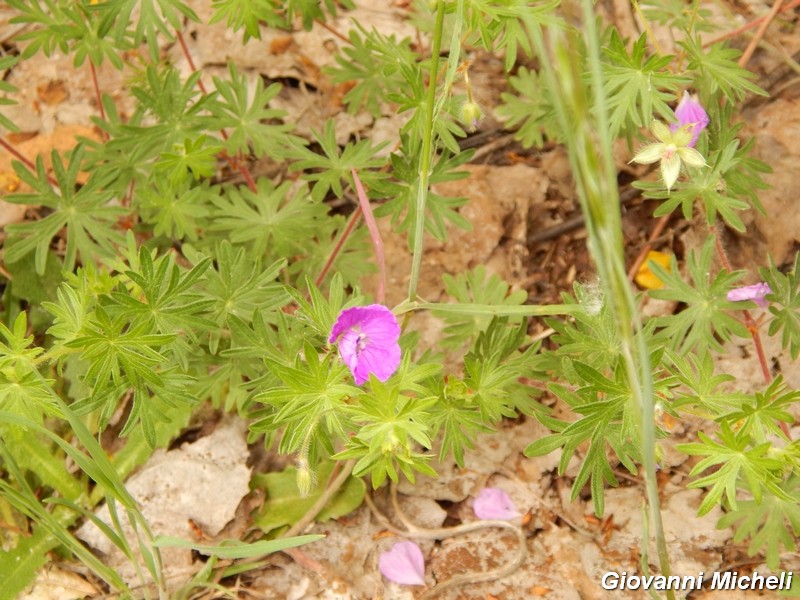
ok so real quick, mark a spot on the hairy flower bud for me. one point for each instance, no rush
(471, 114)
(692, 115)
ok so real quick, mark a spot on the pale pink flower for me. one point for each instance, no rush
(755, 292)
(690, 113)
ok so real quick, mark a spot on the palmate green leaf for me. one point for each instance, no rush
(47, 26)
(413, 97)
(786, 306)
(85, 210)
(178, 109)
(717, 70)
(705, 321)
(607, 423)
(122, 356)
(197, 157)
(772, 524)
(166, 301)
(247, 15)
(75, 302)
(372, 62)
(311, 407)
(474, 287)
(140, 21)
(175, 211)
(238, 285)
(501, 26)
(739, 464)
(529, 109)
(402, 192)
(637, 86)
(457, 417)
(310, 10)
(759, 416)
(492, 370)
(317, 312)
(701, 390)
(592, 335)
(277, 221)
(285, 505)
(246, 115)
(125, 157)
(22, 390)
(389, 426)
(330, 169)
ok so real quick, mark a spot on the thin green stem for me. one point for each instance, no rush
(427, 154)
(585, 127)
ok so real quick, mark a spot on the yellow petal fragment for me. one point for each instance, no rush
(645, 277)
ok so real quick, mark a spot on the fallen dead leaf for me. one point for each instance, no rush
(53, 92)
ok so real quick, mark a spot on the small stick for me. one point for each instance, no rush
(751, 47)
(747, 26)
(32, 167)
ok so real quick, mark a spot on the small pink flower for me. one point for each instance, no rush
(755, 292)
(367, 338)
(690, 112)
(492, 503)
(403, 564)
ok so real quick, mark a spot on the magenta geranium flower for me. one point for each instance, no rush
(367, 338)
(690, 112)
(403, 563)
(492, 503)
(755, 292)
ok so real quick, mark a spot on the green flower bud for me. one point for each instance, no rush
(471, 113)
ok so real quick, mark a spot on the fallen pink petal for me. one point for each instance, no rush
(755, 292)
(367, 338)
(690, 112)
(403, 564)
(493, 503)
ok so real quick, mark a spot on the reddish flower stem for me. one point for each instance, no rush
(25, 161)
(97, 95)
(375, 236)
(749, 322)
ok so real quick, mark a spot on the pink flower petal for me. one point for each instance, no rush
(367, 338)
(403, 563)
(755, 292)
(493, 503)
(690, 112)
